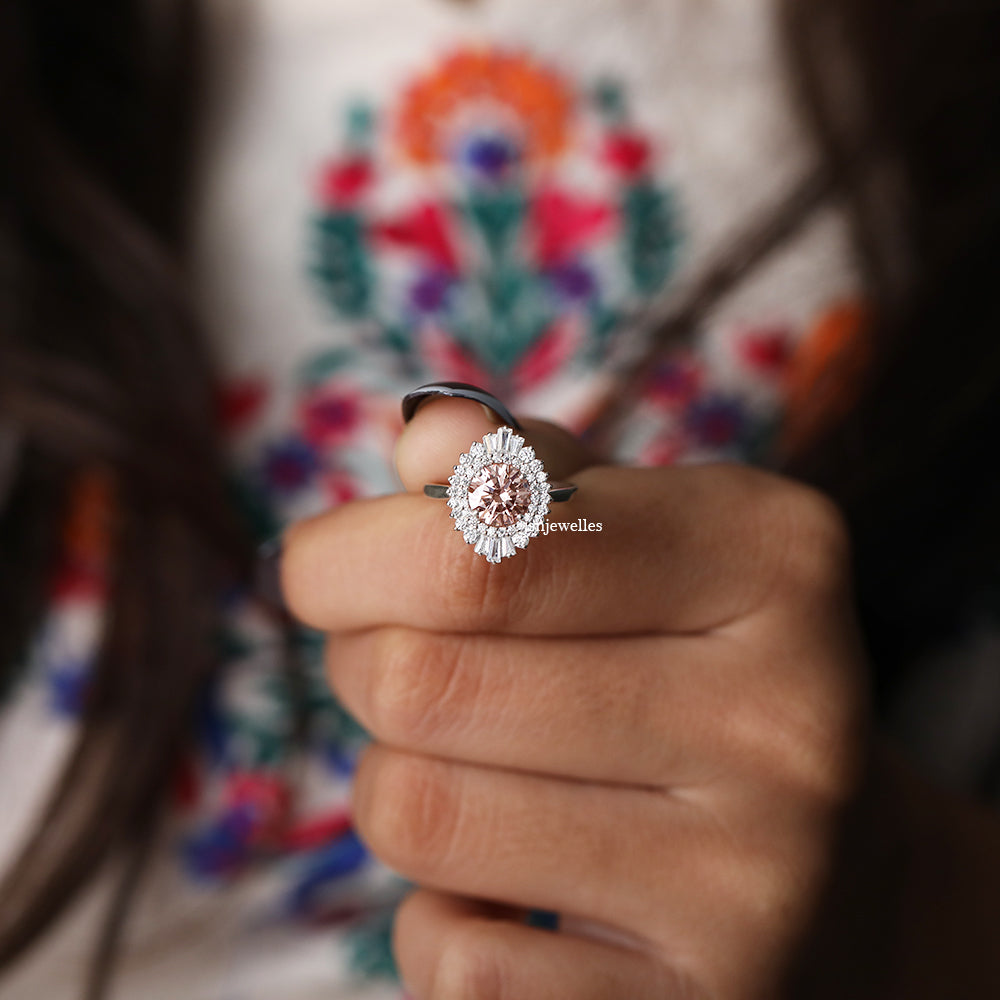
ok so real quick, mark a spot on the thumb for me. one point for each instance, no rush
(442, 427)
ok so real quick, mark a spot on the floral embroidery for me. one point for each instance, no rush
(536, 223)
(825, 373)
(774, 386)
(494, 225)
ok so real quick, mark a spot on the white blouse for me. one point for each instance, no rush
(394, 191)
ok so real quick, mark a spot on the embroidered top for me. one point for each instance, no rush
(395, 191)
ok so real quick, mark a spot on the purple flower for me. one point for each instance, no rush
(220, 849)
(676, 382)
(329, 415)
(429, 293)
(716, 421)
(573, 281)
(491, 156)
(289, 465)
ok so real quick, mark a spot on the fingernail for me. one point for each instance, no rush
(460, 390)
(267, 572)
(544, 919)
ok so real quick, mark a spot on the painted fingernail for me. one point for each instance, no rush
(460, 390)
(544, 919)
(267, 572)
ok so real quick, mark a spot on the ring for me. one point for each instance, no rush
(499, 494)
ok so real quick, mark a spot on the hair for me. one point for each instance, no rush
(103, 366)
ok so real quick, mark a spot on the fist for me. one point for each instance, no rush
(653, 730)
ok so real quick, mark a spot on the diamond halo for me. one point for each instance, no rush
(498, 494)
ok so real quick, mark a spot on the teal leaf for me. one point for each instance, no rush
(369, 947)
(321, 366)
(518, 311)
(230, 645)
(252, 505)
(651, 238)
(497, 216)
(608, 97)
(360, 122)
(398, 340)
(341, 266)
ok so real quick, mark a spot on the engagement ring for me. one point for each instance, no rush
(499, 494)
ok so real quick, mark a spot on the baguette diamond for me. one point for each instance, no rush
(498, 495)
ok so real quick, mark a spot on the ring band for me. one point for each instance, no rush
(499, 494)
(458, 390)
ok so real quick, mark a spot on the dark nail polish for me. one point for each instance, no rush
(267, 572)
(460, 390)
(543, 919)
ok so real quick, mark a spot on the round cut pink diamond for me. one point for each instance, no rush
(499, 494)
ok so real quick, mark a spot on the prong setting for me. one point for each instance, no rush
(498, 495)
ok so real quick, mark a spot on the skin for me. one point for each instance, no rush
(659, 731)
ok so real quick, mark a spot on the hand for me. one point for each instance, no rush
(653, 730)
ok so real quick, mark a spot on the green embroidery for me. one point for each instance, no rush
(317, 369)
(369, 947)
(650, 235)
(342, 266)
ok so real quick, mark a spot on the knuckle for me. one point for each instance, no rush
(471, 591)
(294, 574)
(474, 963)
(415, 686)
(817, 552)
(406, 937)
(407, 812)
(488, 595)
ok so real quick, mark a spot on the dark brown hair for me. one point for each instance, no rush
(102, 365)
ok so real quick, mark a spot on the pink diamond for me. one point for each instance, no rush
(499, 494)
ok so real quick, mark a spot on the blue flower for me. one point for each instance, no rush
(490, 156)
(67, 689)
(288, 466)
(715, 421)
(323, 867)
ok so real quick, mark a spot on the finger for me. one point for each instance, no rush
(684, 548)
(443, 428)
(447, 946)
(596, 851)
(627, 711)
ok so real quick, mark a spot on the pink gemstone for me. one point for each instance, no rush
(499, 494)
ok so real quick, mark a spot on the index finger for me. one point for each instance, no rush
(684, 548)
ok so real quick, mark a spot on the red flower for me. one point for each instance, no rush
(627, 153)
(344, 182)
(264, 799)
(547, 355)
(766, 349)
(447, 360)
(675, 383)
(330, 415)
(562, 223)
(317, 831)
(339, 487)
(424, 229)
(185, 783)
(238, 402)
(664, 450)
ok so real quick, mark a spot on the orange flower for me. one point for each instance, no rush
(87, 527)
(824, 375)
(81, 568)
(537, 97)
